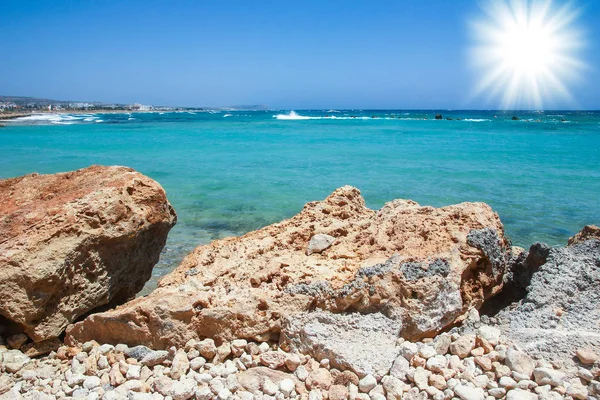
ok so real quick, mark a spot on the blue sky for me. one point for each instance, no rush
(301, 54)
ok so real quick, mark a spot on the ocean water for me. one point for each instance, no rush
(230, 172)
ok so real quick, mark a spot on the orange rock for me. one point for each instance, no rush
(588, 232)
(423, 266)
(76, 241)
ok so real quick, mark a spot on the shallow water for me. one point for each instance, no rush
(230, 172)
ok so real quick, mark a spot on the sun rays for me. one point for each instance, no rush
(526, 52)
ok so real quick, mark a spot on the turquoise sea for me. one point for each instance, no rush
(230, 172)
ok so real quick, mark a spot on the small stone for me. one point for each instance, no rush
(287, 386)
(497, 393)
(346, 378)
(477, 352)
(320, 378)
(366, 384)
(133, 372)
(268, 387)
(484, 362)
(301, 373)
(527, 384)
(224, 394)
(324, 363)
(315, 395)
(587, 355)
(418, 361)
(427, 352)
(223, 351)
(216, 385)
(273, 359)
(548, 376)
(490, 334)
(481, 342)
(501, 370)
(408, 350)
(243, 395)
(400, 368)
(115, 376)
(519, 394)
(585, 374)
(180, 365)
(469, 393)
(207, 348)
(442, 343)
(292, 361)
(105, 349)
(197, 363)
(480, 381)
(318, 243)
(16, 341)
(232, 383)
(91, 382)
(204, 393)
(519, 362)
(438, 382)
(462, 346)
(338, 392)
(421, 378)
(507, 382)
(577, 391)
(436, 363)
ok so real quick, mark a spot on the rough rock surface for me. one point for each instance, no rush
(424, 267)
(365, 344)
(588, 232)
(561, 311)
(75, 241)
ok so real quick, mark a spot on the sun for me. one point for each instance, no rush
(526, 52)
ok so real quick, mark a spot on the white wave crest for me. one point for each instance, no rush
(293, 116)
(476, 120)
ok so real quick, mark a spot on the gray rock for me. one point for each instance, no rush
(137, 352)
(154, 358)
(561, 309)
(319, 243)
(363, 343)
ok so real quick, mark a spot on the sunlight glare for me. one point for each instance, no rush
(526, 52)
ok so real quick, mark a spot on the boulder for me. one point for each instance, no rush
(73, 242)
(365, 344)
(422, 267)
(560, 312)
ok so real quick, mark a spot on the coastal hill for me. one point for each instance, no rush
(12, 104)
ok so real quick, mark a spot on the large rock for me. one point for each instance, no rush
(365, 344)
(76, 241)
(424, 267)
(561, 310)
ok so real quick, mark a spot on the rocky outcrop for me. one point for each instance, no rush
(560, 312)
(423, 267)
(73, 242)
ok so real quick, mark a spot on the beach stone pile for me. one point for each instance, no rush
(470, 366)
